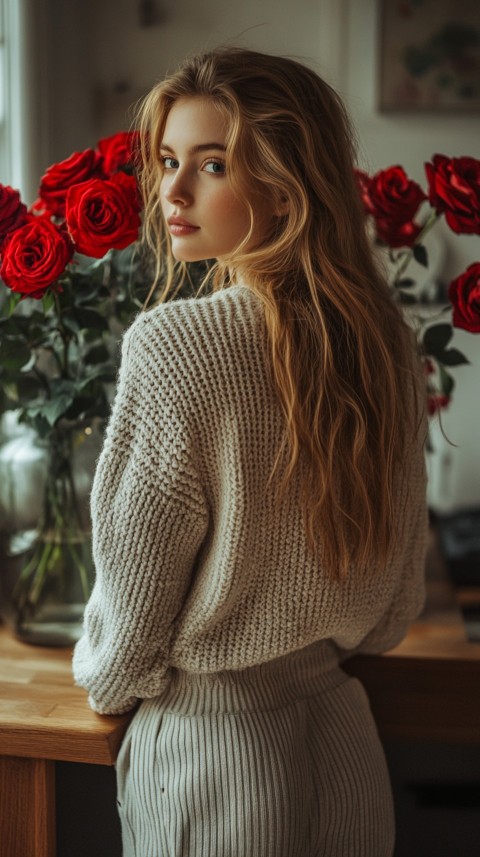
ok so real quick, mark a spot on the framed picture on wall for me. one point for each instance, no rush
(429, 55)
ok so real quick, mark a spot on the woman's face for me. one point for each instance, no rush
(204, 217)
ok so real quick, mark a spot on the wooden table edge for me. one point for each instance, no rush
(62, 744)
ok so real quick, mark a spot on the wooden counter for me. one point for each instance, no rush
(43, 715)
(427, 689)
(43, 718)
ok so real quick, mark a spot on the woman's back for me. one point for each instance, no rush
(201, 424)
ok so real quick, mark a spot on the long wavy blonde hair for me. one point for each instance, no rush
(342, 356)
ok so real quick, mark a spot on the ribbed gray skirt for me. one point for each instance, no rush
(277, 760)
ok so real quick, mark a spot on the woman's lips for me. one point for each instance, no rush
(178, 226)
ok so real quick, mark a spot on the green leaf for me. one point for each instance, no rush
(49, 339)
(454, 357)
(97, 354)
(38, 422)
(13, 302)
(36, 318)
(48, 301)
(436, 339)
(63, 386)
(88, 291)
(405, 283)
(103, 371)
(52, 409)
(14, 354)
(90, 318)
(420, 255)
(70, 322)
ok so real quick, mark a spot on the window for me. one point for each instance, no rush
(24, 89)
(3, 82)
(10, 93)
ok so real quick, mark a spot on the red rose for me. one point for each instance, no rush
(464, 294)
(34, 257)
(390, 195)
(39, 209)
(103, 215)
(454, 189)
(363, 183)
(436, 402)
(79, 167)
(397, 234)
(393, 200)
(119, 151)
(13, 212)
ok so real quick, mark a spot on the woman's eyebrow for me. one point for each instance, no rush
(202, 147)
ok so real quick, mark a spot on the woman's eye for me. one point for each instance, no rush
(169, 163)
(216, 167)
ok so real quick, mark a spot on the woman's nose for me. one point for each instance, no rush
(178, 191)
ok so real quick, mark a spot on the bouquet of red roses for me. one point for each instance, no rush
(393, 203)
(74, 253)
(72, 280)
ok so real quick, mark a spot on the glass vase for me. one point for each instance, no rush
(49, 563)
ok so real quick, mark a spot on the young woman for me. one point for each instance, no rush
(259, 506)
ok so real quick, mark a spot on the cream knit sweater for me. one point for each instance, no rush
(194, 570)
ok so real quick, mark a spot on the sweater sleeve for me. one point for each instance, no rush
(149, 518)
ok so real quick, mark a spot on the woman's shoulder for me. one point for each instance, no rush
(199, 321)
(198, 336)
(233, 300)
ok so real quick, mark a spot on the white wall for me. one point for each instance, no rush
(410, 140)
(114, 61)
(129, 57)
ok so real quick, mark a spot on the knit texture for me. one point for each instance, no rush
(278, 760)
(195, 568)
